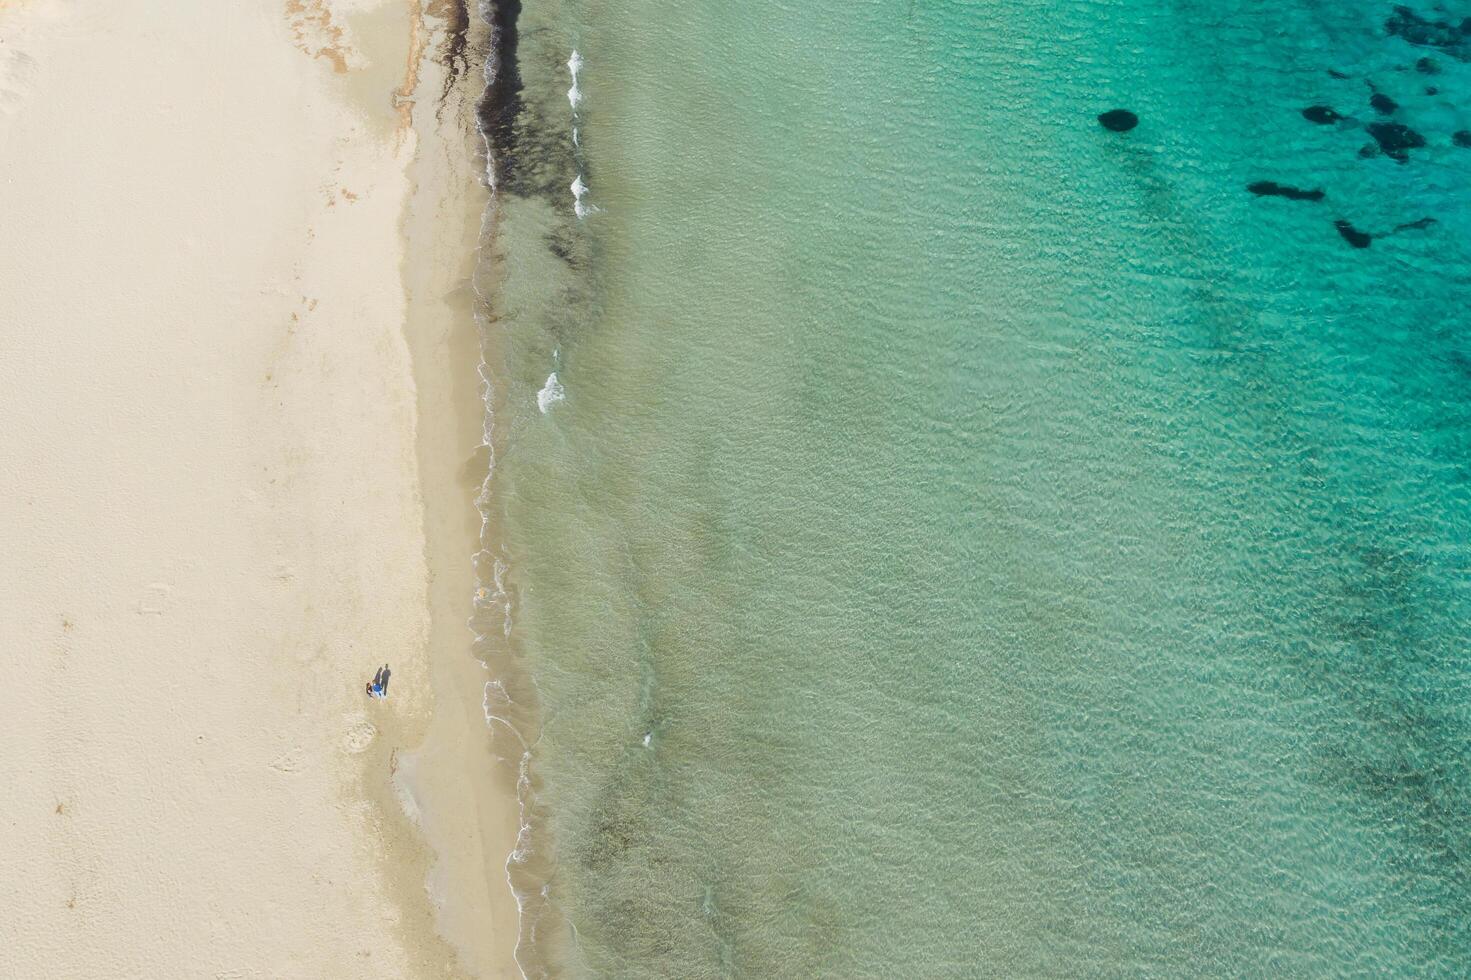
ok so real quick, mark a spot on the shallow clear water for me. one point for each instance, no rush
(972, 542)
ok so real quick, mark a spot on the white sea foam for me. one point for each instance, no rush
(523, 794)
(574, 64)
(495, 702)
(526, 929)
(551, 393)
(574, 94)
(579, 191)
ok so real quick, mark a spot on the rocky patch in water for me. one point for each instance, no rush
(1383, 104)
(1321, 114)
(1453, 39)
(1425, 222)
(1395, 139)
(1356, 238)
(1118, 120)
(1270, 188)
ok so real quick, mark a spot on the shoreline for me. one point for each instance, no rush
(243, 370)
(464, 796)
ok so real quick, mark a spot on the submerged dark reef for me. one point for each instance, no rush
(1270, 188)
(501, 103)
(1453, 39)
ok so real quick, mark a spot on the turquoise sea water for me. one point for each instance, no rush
(968, 541)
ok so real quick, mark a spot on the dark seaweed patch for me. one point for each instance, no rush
(1383, 104)
(1321, 114)
(1270, 188)
(454, 53)
(616, 831)
(1462, 138)
(1356, 238)
(1425, 222)
(501, 103)
(561, 244)
(520, 114)
(1395, 139)
(1118, 120)
(1427, 66)
(1431, 90)
(1453, 39)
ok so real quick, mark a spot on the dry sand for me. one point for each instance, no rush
(237, 408)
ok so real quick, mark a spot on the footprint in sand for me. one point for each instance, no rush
(17, 75)
(359, 736)
(156, 600)
(292, 760)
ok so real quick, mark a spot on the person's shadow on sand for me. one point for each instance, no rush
(378, 686)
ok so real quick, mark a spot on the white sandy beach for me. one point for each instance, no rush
(233, 417)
